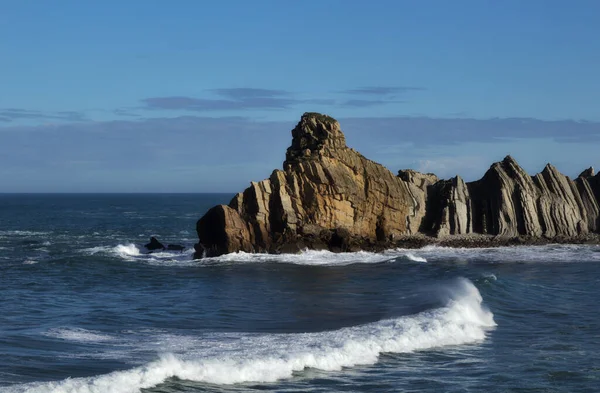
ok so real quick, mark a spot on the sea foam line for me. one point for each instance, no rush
(547, 253)
(78, 334)
(318, 257)
(431, 253)
(271, 357)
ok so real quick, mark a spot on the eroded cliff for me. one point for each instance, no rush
(507, 202)
(330, 196)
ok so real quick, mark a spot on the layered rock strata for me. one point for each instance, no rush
(328, 196)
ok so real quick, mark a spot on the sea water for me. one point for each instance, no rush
(85, 308)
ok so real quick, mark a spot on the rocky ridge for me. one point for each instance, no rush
(328, 196)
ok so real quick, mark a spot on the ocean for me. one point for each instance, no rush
(83, 308)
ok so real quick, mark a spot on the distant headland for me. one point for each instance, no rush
(328, 196)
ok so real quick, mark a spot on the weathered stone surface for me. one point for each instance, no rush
(504, 201)
(450, 208)
(419, 186)
(329, 195)
(324, 185)
(508, 203)
(222, 230)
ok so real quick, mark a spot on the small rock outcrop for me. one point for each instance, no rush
(154, 245)
(330, 196)
(175, 247)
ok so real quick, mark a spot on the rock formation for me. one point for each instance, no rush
(507, 202)
(330, 196)
(154, 245)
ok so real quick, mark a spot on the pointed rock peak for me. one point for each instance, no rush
(508, 165)
(313, 133)
(508, 160)
(457, 181)
(549, 168)
(587, 173)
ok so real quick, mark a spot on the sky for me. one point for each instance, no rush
(200, 96)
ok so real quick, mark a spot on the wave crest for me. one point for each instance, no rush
(268, 358)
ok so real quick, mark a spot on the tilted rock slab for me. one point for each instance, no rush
(508, 202)
(330, 196)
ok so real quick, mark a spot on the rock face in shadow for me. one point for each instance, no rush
(328, 196)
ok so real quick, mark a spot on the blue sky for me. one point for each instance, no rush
(200, 96)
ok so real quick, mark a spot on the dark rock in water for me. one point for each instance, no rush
(329, 195)
(154, 245)
(175, 247)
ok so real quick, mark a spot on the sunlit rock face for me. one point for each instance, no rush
(330, 196)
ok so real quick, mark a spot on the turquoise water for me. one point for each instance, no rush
(84, 309)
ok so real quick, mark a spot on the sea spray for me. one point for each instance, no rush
(126, 251)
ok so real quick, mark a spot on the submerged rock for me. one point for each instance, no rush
(330, 196)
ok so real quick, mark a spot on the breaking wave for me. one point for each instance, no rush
(132, 252)
(271, 357)
(125, 251)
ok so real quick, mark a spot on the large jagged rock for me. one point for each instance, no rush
(507, 202)
(324, 186)
(329, 195)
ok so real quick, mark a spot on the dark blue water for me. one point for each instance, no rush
(84, 309)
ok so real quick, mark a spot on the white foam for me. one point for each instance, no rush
(524, 254)
(415, 258)
(270, 357)
(131, 252)
(547, 253)
(126, 251)
(78, 334)
(96, 250)
(30, 262)
(308, 257)
(22, 233)
(433, 254)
